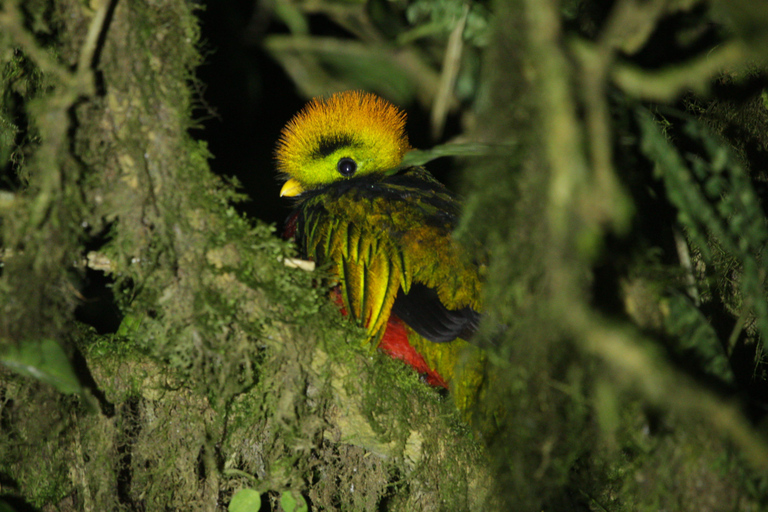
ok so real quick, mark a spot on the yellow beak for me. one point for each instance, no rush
(291, 188)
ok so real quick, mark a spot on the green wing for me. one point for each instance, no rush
(382, 236)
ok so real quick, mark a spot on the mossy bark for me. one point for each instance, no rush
(229, 370)
(608, 384)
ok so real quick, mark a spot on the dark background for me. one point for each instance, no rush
(247, 98)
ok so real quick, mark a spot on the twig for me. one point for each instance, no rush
(12, 23)
(73, 86)
(81, 81)
(305, 265)
(737, 330)
(95, 30)
(668, 84)
(451, 65)
(424, 79)
(628, 27)
(684, 255)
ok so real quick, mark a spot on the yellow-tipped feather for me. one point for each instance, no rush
(387, 237)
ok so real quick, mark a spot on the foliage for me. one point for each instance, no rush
(613, 167)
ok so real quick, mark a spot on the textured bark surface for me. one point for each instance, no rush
(622, 201)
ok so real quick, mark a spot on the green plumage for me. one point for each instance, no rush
(385, 234)
(381, 234)
(388, 239)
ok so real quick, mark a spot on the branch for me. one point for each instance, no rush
(667, 84)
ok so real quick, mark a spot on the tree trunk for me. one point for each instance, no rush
(621, 209)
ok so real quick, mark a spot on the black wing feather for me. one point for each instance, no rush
(422, 310)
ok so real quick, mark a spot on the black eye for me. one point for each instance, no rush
(346, 167)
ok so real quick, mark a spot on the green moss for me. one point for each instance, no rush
(231, 370)
(35, 444)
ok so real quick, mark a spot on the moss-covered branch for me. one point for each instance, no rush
(610, 383)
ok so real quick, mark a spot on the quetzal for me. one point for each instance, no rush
(386, 233)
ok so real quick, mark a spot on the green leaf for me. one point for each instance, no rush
(322, 64)
(417, 157)
(694, 338)
(293, 504)
(45, 361)
(129, 325)
(245, 500)
(718, 206)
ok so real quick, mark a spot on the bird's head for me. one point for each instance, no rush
(349, 134)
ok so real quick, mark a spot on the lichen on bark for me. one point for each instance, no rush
(608, 384)
(228, 370)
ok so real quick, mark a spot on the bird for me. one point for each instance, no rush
(385, 230)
